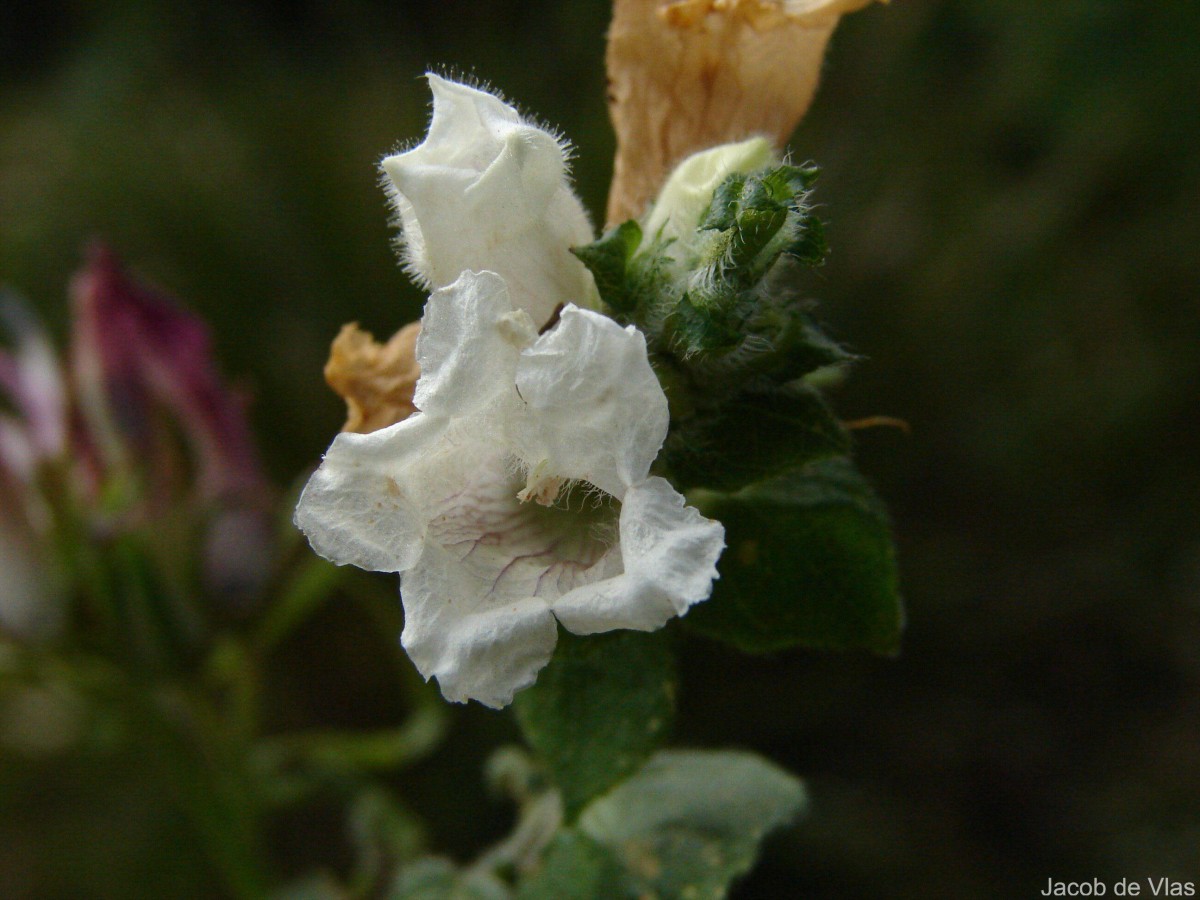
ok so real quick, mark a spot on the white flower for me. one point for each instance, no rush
(488, 190)
(518, 495)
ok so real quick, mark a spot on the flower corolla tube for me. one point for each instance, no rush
(519, 495)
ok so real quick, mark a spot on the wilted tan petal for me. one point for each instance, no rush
(376, 380)
(690, 74)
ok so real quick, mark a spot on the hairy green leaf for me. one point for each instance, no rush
(809, 562)
(703, 321)
(601, 707)
(707, 292)
(608, 259)
(753, 436)
(690, 822)
(575, 867)
(756, 218)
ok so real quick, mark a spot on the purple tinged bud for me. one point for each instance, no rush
(137, 355)
(134, 351)
(137, 423)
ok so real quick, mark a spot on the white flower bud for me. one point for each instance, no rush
(487, 190)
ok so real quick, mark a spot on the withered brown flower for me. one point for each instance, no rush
(376, 380)
(691, 74)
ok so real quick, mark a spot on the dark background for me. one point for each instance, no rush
(1012, 193)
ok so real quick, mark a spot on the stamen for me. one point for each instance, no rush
(541, 488)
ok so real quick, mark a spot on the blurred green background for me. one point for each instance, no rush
(1012, 190)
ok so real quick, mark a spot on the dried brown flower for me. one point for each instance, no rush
(376, 380)
(691, 74)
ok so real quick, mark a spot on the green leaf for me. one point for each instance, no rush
(808, 562)
(439, 879)
(776, 344)
(704, 321)
(755, 435)
(575, 867)
(751, 216)
(608, 259)
(690, 822)
(801, 348)
(601, 707)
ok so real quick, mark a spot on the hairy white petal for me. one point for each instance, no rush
(595, 410)
(487, 190)
(666, 543)
(469, 344)
(460, 113)
(358, 508)
(669, 553)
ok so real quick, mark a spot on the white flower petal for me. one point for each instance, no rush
(669, 552)
(460, 114)
(487, 190)
(594, 408)
(481, 649)
(477, 614)
(507, 548)
(358, 507)
(667, 543)
(469, 343)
